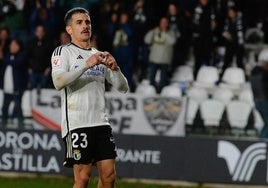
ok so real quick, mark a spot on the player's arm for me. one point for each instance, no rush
(62, 76)
(118, 80)
(114, 75)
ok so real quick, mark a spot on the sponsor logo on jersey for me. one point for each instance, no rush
(162, 113)
(97, 70)
(241, 165)
(79, 57)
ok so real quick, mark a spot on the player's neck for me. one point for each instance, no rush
(82, 44)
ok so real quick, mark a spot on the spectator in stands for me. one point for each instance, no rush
(4, 41)
(140, 50)
(4, 48)
(112, 27)
(161, 41)
(234, 39)
(186, 31)
(15, 81)
(123, 47)
(105, 40)
(43, 15)
(79, 3)
(203, 26)
(15, 21)
(64, 38)
(38, 51)
(259, 84)
(116, 7)
(220, 8)
(175, 23)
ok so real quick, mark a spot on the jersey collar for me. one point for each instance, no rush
(80, 47)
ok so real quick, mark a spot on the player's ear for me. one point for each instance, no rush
(68, 29)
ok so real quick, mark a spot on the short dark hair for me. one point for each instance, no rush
(73, 11)
(5, 29)
(19, 42)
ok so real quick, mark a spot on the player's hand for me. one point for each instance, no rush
(94, 60)
(108, 60)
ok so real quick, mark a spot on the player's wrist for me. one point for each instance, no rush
(116, 68)
(91, 64)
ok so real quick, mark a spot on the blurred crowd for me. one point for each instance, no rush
(146, 37)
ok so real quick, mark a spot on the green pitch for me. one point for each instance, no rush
(45, 182)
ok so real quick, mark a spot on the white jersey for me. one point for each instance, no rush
(83, 101)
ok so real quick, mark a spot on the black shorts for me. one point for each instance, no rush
(89, 145)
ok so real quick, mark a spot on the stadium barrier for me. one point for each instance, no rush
(128, 113)
(207, 160)
(151, 142)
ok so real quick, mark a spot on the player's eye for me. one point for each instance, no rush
(79, 22)
(88, 22)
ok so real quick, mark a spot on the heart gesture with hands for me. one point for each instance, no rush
(108, 60)
(102, 58)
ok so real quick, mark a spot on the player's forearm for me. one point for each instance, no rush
(61, 80)
(120, 82)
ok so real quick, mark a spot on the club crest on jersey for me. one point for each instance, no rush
(77, 154)
(162, 113)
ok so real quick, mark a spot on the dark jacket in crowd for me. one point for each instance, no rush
(39, 53)
(19, 65)
(202, 17)
(236, 29)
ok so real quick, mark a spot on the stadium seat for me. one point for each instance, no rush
(172, 90)
(225, 95)
(197, 94)
(238, 113)
(183, 73)
(144, 88)
(194, 122)
(246, 95)
(211, 113)
(184, 76)
(233, 78)
(207, 77)
(191, 110)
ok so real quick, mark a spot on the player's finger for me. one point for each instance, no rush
(106, 53)
(101, 57)
(109, 62)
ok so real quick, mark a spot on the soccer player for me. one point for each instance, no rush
(79, 71)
